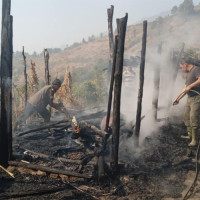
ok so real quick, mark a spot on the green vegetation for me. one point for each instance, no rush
(89, 85)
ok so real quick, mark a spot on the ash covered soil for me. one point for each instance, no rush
(163, 169)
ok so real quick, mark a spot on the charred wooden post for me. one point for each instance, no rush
(141, 82)
(111, 84)
(101, 170)
(46, 60)
(25, 76)
(121, 27)
(6, 84)
(110, 34)
(156, 85)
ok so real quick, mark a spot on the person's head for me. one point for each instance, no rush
(186, 64)
(56, 84)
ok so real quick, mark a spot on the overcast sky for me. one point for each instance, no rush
(39, 24)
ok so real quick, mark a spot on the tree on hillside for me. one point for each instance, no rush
(174, 10)
(157, 22)
(187, 7)
(83, 41)
(91, 38)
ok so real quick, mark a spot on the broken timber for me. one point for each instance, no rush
(48, 169)
(94, 128)
(43, 127)
(33, 193)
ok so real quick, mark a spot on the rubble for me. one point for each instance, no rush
(162, 170)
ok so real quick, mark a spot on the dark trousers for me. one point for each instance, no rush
(30, 109)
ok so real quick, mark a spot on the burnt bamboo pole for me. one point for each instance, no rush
(110, 36)
(141, 82)
(156, 86)
(111, 84)
(25, 77)
(46, 61)
(6, 83)
(121, 27)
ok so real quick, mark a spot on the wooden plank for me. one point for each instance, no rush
(49, 170)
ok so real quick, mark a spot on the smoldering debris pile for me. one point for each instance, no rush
(54, 166)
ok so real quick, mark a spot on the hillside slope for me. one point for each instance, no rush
(171, 30)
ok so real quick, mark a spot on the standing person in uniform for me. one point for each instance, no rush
(39, 101)
(192, 108)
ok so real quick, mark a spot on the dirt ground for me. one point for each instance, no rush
(164, 169)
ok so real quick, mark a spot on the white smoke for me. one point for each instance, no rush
(181, 30)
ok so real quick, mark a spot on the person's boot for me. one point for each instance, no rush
(189, 131)
(194, 141)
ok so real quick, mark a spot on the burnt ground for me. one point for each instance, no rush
(164, 169)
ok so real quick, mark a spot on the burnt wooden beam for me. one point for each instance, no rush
(6, 83)
(111, 84)
(60, 159)
(49, 170)
(94, 128)
(43, 128)
(121, 27)
(110, 36)
(141, 83)
(25, 77)
(85, 161)
(35, 192)
(156, 85)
